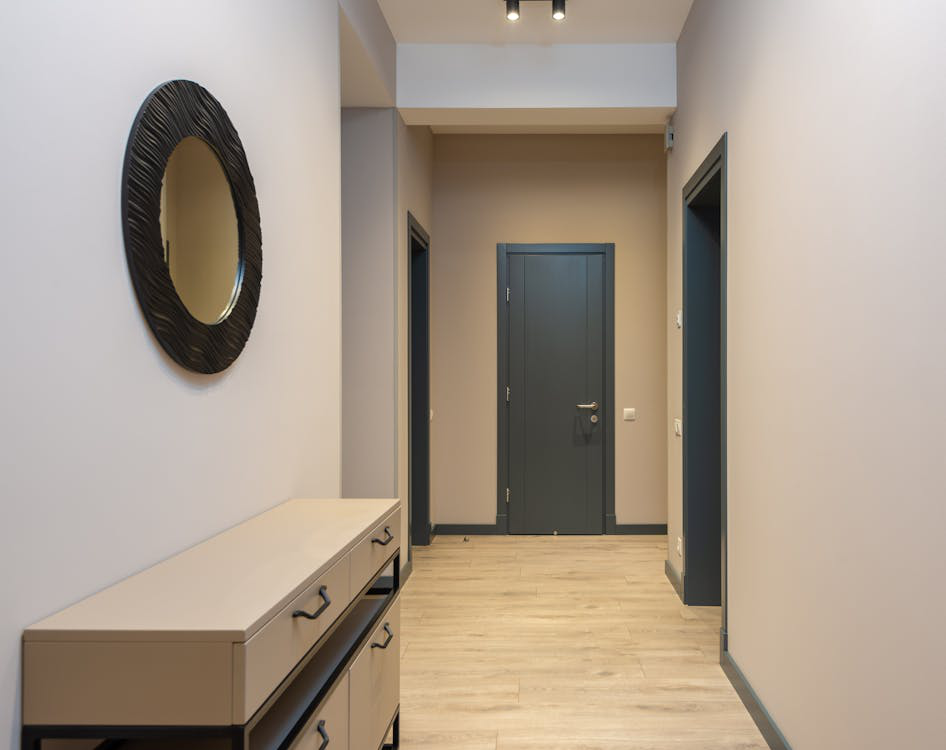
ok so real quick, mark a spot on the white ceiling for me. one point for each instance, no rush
(484, 21)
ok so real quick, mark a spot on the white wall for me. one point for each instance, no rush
(113, 457)
(835, 113)
(533, 75)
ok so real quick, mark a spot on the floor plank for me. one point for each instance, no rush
(520, 643)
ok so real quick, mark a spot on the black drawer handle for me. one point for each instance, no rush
(325, 739)
(323, 592)
(386, 542)
(387, 641)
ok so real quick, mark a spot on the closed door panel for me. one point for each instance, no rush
(557, 393)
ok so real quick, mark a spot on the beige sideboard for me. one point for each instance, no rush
(281, 633)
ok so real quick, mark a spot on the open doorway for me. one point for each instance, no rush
(704, 383)
(419, 375)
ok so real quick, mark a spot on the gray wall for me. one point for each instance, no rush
(490, 189)
(386, 172)
(368, 303)
(835, 113)
(112, 457)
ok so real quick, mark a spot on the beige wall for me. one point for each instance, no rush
(415, 162)
(836, 364)
(369, 66)
(491, 189)
(111, 456)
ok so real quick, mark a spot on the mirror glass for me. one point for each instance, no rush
(199, 231)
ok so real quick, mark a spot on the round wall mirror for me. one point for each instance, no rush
(192, 227)
(199, 230)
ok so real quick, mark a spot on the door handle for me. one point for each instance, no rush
(323, 592)
(324, 734)
(388, 537)
(387, 641)
(593, 406)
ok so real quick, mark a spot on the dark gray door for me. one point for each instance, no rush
(557, 409)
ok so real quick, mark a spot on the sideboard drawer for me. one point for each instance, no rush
(371, 552)
(272, 652)
(328, 727)
(207, 640)
(374, 682)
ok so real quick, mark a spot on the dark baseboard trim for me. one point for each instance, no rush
(611, 526)
(499, 527)
(644, 529)
(675, 580)
(770, 732)
(467, 529)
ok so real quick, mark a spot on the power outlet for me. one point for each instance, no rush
(680, 546)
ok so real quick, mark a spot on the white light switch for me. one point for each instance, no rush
(678, 319)
(431, 415)
(678, 427)
(630, 415)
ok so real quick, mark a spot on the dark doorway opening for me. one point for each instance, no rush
(419, 376)
(704, 383)
(556, 388)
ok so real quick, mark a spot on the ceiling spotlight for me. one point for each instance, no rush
(558, 10)
(512, 10)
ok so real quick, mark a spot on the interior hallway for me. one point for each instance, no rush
(560, 642)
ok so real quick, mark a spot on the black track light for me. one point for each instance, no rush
(558, 10)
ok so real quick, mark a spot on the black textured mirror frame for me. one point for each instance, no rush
(172, 112)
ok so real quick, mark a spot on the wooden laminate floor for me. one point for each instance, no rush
(521, 643)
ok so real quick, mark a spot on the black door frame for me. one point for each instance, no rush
(418, 510)
(503, 251)
(714, 165)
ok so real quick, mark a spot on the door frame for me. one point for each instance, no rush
(714, 164)
(418, 514)
(503, 251)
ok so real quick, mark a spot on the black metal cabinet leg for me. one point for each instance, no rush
(395, 733)
(30, 740)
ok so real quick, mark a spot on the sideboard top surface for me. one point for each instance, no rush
(226, 588)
